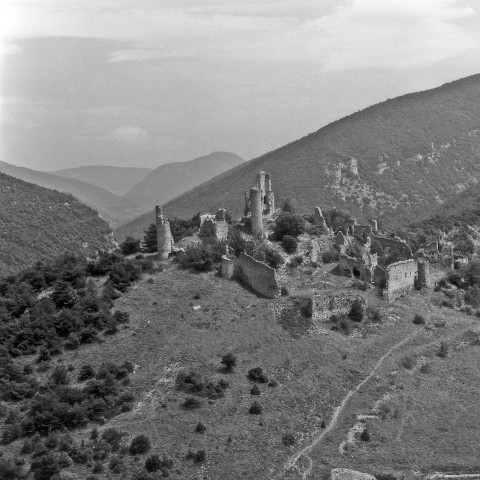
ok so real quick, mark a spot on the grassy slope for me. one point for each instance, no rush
(38, 224)
(117, 180)
(166, 333)
(441, 125)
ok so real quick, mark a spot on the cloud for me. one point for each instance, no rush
(128, 136)
(330, 35)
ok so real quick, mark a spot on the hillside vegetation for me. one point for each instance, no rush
(118, 180)
(395, 161)
(39, 224)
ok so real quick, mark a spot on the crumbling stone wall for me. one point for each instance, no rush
(229, 267)
(361, 268)
(400, 279)
(213, 227)
(345, 474)
(393, 244)
(423, 274)
(164, 235)
(340, 240)
(325, 305)
(362, 231)
(261, 277)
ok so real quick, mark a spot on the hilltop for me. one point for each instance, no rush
(93, 196)
(118, 180)
(39, 224)
(395, 161)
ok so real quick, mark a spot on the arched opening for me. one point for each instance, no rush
(356, 272)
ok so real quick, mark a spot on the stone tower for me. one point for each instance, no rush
(164, 235)
(423, 274)
(256, 211)
(264, 183)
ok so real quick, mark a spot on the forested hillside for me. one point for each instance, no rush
(39, 224)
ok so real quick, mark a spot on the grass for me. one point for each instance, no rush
(314, 371)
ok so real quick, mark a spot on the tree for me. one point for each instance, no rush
(140, 444)
(150, 238)
(288, 224)
(130, 245)
(289, 244)
(230, 361)
(356, 311)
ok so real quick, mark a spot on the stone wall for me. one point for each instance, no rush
(345, 474)
(393, 244)
(400, 278)
(325, 305)
(261, 277)
(229, 267)
(361, 268)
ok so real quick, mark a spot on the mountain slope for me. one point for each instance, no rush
(91, 195)
(170, 180)
(118, 180)
(39, 224)
(395, 161)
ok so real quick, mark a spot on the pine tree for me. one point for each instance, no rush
(150, 238)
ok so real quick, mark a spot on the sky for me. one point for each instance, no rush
(148, 82)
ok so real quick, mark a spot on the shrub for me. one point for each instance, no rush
(200, 427)
(443, 350)
(273, 258)
(98, 467)
(130, 245)
(140, 444)
(408, 362)
(255, 409)
(330, 256)
(255, 390)
(8, 469)
(199, 456)
(296, 261)
(288, 440)
(229, 361)
(116, 465)
(374, 314)
(153, 463)
(59, 375)
(72, 342)
(289, 244)
(200, 257)
(288, 224)
(113, 437)
(356, 311)
(365, 436)
(418, 319)
(256, 375)
(426, 368)
(191, 403)
(45, 467)
(86, 372)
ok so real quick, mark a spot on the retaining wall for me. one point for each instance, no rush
(325, 305)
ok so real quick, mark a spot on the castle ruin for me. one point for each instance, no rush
(164, 235)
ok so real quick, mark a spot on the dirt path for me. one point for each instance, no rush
(292, 462)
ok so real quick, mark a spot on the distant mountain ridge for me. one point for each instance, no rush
(395, 161)
(117, 180)
(39, 224)
(172, 179)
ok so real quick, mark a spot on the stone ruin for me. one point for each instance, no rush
(164, 235)
(213, 228)
(319, 221)
(259, 201)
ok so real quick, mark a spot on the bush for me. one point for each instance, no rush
(289, 244)
(130, 245)
(255, 390)
(288, 224)
(191, 403)
(8, 469)
(229, 361)
(443, 350)
(365, 436)
(116, 465)
(45, 467)
(296, 261)
(200, 427)
(418, 319)
(153, 463)
(330, 256)
(256, 375)
(356, 311)
(273, 258)
(200, 257)
(408, 362)
(199, 456)
(86, 372)
(140, 444)
(288, 440)
(374, 314)
(255, 409)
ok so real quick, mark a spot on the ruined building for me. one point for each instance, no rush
(164, 235)
(260, 201)
(213, 228)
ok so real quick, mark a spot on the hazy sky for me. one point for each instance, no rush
(146, 82)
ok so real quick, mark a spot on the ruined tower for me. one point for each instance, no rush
(164, 235)
(256, 211)
(264, 183)
(423, 274)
